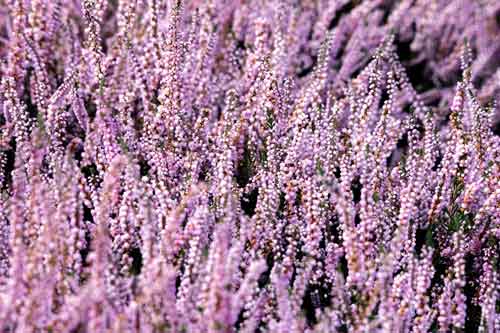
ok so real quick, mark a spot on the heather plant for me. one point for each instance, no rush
(249, 166)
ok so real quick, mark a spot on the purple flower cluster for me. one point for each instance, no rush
(249, 166)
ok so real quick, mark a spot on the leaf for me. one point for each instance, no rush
(429, 239)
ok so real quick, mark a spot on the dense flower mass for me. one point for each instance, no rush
(249, 166)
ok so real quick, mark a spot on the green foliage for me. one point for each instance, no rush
(40, 122)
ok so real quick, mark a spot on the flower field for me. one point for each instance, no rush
(249, 166)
